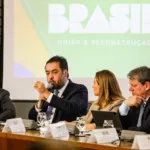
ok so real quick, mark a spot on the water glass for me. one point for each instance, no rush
(81, 125)
(41, 119)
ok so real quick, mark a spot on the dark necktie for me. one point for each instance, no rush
(50, 108)
(56, 92)
(140, 115)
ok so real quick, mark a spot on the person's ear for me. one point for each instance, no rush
(65, 72)
(147, 85)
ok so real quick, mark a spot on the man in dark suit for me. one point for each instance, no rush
(7, 109)
(72, 99)
(135, 111)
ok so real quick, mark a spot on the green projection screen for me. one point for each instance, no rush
(91, 35)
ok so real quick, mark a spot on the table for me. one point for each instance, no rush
(11, 141)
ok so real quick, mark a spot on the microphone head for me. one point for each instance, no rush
(49, 86)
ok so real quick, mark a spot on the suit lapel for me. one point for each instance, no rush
(146, 110)
(67, 92)
(65, 95)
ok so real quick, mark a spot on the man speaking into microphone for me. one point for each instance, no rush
(70, 100)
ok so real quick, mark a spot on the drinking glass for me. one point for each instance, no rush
(81, 125)
(41, 119)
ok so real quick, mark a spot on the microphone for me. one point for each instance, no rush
(49, 87)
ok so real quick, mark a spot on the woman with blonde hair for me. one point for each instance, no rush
(107, 89)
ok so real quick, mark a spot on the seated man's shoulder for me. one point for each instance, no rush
(79, 86)
(3, 92)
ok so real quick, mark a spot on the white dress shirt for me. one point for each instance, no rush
(60, 92)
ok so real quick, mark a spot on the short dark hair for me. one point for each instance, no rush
(142, 74)
(61, 60)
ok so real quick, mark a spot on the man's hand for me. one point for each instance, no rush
(44, 93)
(40, 87)
(134, 101)
(41, 98)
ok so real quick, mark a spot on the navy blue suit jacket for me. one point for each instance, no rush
(73, 103)
(130, 121)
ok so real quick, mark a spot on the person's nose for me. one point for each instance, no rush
(50, 77)
(130, 89)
